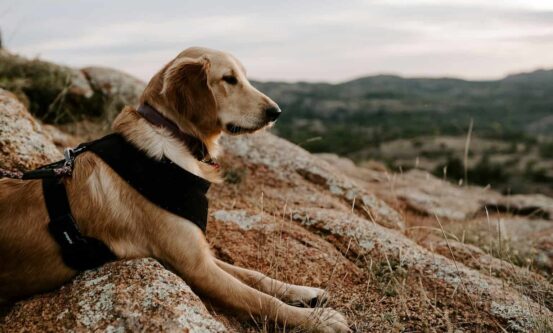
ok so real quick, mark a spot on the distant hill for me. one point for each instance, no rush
(392, 107)
(355, 118)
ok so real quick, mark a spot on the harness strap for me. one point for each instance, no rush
(162, 182)
(10, 174)
(78, 252)
(58, 169)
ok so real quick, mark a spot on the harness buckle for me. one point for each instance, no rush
(69, 156)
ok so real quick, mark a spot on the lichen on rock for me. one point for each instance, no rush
(24, 145)
(135, 295)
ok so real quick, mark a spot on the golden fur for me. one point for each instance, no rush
(191, 91)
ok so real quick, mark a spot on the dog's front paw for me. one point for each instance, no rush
(306, 296)
(329, 321)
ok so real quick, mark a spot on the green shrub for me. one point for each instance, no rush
(546, 150)
(45, 88)
(483, 173)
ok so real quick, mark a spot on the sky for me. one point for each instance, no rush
(308, 40)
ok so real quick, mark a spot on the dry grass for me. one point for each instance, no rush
(488, 235)
(376, 292)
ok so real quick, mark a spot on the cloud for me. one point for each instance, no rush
(312, 40)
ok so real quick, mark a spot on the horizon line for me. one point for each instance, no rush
(318, 81)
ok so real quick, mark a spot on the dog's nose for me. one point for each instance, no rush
(272, 113)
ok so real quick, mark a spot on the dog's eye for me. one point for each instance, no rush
(230, 79)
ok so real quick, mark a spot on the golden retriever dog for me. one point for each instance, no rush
(206, 93)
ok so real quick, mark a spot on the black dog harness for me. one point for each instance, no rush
(162, 182)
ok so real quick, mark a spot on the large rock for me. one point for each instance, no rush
(489, 293)
(524, 241)
(526, 204)
(421, 191)
(435, 197)
(287, 160)
(298, 186)
(371, 171)
(115, 89)
(126, 296)
(429, 195)
(24, 145)
(526, 282)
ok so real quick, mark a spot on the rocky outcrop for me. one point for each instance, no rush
(396, 252)
(24, 145)
(287, 160)
(60, 138)
(526, 204)
(115, 89)
(378, 241)
(519, 278)
(367, 242)
(125, 296)
(428, 194)
(466, 210)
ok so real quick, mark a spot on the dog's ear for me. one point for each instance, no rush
(187, 92)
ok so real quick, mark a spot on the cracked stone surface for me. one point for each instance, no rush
(125, 296)
(24, 145)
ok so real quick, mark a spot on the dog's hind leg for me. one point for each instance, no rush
(289, 293)
(184, 247)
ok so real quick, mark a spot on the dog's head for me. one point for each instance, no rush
(207, 91)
